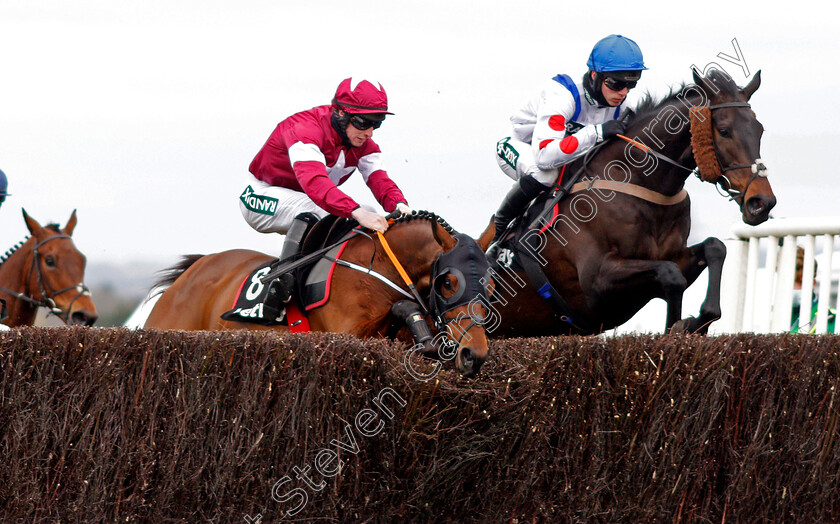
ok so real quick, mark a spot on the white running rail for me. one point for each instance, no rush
(758, 297)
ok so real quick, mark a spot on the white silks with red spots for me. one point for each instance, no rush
(552, 129)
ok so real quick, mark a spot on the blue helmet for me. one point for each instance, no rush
(615, 53)
(4, 184)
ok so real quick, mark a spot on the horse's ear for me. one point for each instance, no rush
(698, 80)
(71, 224)
(750, 88)
(487, 236)
(446, 241)
(34, 227)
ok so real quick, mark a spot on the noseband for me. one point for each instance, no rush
(48, 295)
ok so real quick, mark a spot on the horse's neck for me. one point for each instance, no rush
(415, 247)
(668, 133)
(15, 276)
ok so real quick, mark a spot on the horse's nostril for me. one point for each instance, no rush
(80, 318)
(756, 205)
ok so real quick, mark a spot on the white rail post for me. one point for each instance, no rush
(825, 285)
(783, 295)
(808, 275)
(733, 284)
(748, 324)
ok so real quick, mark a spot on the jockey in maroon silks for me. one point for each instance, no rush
(294, 178)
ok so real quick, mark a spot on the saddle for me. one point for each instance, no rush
(311, 278)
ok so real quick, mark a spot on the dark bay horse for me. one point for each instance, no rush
(619, 239)
(46, 270)
(204, 287)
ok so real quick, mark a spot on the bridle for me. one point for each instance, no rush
(48, 295)
(468, 264)
(758, 167)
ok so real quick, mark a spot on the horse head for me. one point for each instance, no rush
(460, 288)
(452, 272)
(56, 273)
(726, 140)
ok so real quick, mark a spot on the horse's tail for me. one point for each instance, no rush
(169, 275)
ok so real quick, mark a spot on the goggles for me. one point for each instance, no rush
(361, 123)
(614, 84)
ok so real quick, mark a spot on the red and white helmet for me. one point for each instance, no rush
(357, 95)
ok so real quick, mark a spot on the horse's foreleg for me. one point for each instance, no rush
(709, 253)
(623, 284)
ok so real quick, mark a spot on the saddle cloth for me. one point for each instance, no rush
(312, 289)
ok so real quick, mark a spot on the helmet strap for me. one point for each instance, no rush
(340, 123)
(593, 86)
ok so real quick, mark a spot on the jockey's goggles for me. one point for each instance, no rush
(361, 123)
(615, 84)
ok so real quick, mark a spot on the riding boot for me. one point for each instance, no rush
(516, 201)
(280, 289)
(298, 229)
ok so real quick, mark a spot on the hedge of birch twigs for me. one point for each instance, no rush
(107, 425)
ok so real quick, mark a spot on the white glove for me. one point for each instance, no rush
(404, 209)
(370, 220)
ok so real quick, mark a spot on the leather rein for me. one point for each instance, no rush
(48, 295)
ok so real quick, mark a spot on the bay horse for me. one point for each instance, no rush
(46, 270)
(202, 288)
(619, 238)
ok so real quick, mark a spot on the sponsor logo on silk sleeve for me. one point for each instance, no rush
(258, 203)
(507, 152)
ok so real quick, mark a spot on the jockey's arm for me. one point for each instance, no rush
(312, 177)
(552, 148)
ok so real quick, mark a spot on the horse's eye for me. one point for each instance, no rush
(723, 131)
(49, 260)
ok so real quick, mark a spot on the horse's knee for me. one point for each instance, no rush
(714, 249)
(670, 277)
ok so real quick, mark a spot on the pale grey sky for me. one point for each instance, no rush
(144, 116)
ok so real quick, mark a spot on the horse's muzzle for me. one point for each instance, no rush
(757, 209)
(82, 318)
(468, 363)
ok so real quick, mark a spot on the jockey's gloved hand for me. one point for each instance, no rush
(370, 220)
(612, 128)
(404, 209)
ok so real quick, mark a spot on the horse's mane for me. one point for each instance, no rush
(649, 105)
(426, 215)
(9, 252)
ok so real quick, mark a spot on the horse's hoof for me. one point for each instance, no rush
(681, 326)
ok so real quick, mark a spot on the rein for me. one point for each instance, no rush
(401, 271)
(48, 295)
